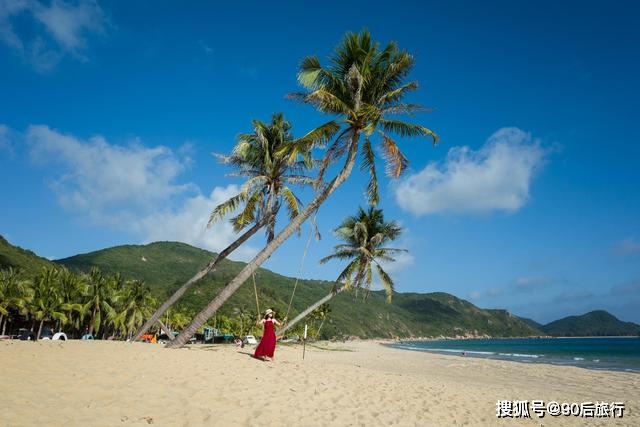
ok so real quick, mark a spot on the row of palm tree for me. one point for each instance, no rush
(363, 87)
(94, 303)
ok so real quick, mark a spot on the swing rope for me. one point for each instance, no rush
(255, 290)
(304, 255)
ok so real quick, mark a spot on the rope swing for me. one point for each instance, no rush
(300, 269)
(313, 226)
(255, 290)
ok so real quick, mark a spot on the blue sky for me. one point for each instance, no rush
(110, 112)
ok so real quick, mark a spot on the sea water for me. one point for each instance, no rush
(603, 353)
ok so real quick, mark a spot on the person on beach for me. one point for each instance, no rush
(267, 345)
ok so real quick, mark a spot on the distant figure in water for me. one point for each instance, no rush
(267, 345)
(464, 353)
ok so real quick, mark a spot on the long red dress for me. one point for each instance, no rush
(267, 344)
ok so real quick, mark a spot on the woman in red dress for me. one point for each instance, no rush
(267, 345)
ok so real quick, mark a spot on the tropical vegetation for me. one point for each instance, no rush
(365, 235)
(364, 87)
(264, 159)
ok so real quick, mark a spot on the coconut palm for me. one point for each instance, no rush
(364, 87)
(321, 313)
(364, 235)
(135, 304)
(263, 157)
(47, 303)
(71, 287)
(244, 316)
(14, 295)
(98, 300)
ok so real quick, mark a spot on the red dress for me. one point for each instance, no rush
(267, 344)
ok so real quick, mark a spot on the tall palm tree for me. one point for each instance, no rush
(364, 235)
(364, 86)
(263, 157)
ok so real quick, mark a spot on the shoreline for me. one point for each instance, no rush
(537, 351)
(360, 382)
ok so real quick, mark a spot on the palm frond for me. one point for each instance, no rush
(387, 282)
(225, 208)
(369, 164)
(409, 109)
(405, 129)
(396, 162)
(327, 102)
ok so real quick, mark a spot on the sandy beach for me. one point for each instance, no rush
(106, 383)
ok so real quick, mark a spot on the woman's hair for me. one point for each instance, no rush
(267, 315)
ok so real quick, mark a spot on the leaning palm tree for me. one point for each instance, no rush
(364, 235)
(262, 157)
(364, 86)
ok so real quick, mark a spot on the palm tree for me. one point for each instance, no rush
(364, 235)
(135, 304)
(71, 287)
(177, 317)
(98, 300)
(364, 86)
(322, 313)
(264, 158)
(244, 316)
(47, 303)
(13, 295)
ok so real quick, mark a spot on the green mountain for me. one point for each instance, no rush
(595, 323)
(532, 323)
(164, 266)
(20, 259)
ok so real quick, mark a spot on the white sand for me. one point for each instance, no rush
(106, 383)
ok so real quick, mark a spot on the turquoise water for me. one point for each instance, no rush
(611, 353)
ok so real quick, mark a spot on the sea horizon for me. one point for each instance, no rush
(619, 353)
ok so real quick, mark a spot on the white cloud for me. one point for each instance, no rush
(99, 177)
(496, 177)
(44, 33)
(402, 261)
(189, 225)
(133, 188)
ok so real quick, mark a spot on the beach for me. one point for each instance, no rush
(353, 383)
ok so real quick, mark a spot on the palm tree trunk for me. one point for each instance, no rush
(264, 254)
(93, 321)
(199, 275)
(165, 329)
(310, 309)
(40, 329)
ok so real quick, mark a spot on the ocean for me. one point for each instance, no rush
(600, 353)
